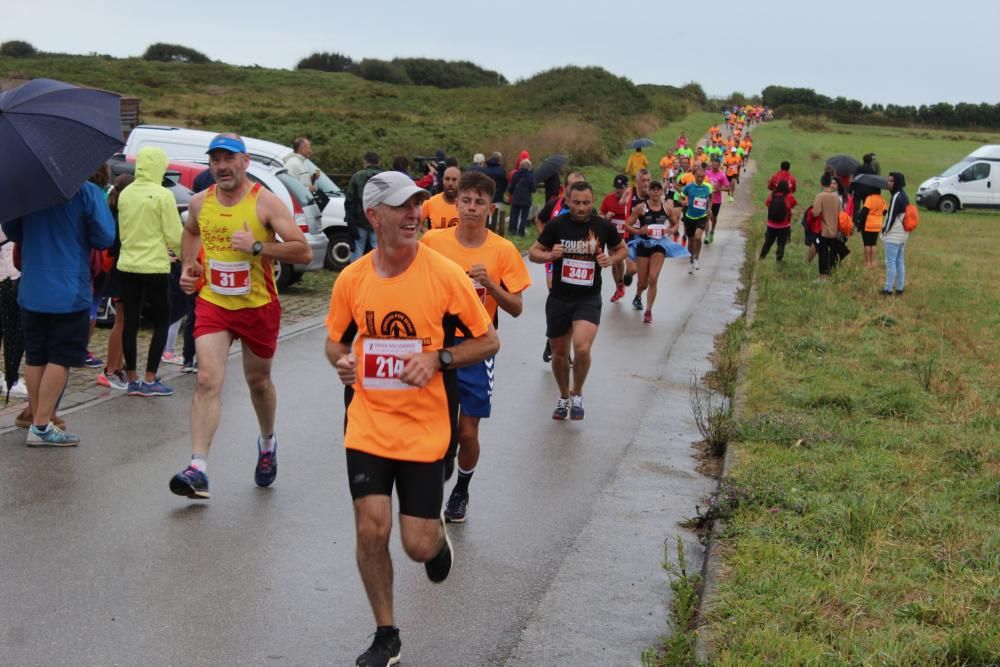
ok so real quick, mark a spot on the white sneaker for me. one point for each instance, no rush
(697, 265)
(19, 389)
(691, 267)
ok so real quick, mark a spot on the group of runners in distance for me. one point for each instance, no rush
(411, 327)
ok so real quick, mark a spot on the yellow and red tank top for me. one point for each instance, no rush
(234, 279)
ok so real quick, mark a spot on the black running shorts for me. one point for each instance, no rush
(869, 238)
(55, 338)
(419, 486)
(715, 209)
(690, 226)
(561, 313)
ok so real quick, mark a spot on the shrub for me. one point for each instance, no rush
(591, 92)
(328, 62)
(161, 52)
(17, 49)
(810, 123)
(448, 74)
(374, 69)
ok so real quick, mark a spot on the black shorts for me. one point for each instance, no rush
(419, 486)
(869, 238)
(735, 177)
(691, 226)
(55, 338)
(561, 313)
(641, 251)
(715, 209)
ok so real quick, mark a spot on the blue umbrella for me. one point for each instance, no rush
(53, 136)
(642, 143)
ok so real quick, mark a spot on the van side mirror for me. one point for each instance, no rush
(962, 178)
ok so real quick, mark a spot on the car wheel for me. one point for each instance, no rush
(948, 205)
(284, 275)
(338, 251)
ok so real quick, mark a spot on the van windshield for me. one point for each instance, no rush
(324, 183)
(956, 168)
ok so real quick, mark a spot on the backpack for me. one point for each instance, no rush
(777, 210)
(911, 217)
(812, 222)
(845, 223)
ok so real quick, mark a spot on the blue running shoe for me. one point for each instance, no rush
(90, 361)
(191, 483)
(53, 436)
(267, 465)
(134, 388)
(154, 388)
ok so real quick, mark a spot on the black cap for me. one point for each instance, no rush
(621, 180)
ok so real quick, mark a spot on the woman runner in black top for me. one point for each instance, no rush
(651, 224)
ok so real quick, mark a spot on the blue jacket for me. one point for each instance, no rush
(521, 187)
(495, 170)
(55, 251)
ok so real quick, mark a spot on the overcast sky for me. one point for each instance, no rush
(889, 51)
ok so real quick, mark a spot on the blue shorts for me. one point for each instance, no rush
(475, 388)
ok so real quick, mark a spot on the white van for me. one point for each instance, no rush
(186, 143)
(967, 184)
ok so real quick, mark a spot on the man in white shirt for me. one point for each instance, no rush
(299, 166)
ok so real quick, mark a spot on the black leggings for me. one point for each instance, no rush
(154, 289)
(772, 234)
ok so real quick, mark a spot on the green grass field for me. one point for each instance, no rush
(864, 498)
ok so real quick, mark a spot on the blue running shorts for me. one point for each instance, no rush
(475, 388)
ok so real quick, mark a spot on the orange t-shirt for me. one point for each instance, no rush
(503, 262)
(732, 163)
(440, 213)
(387, 318)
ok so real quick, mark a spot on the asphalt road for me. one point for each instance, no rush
(559, 562)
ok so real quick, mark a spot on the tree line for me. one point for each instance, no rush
(806, 101)
(407, 71)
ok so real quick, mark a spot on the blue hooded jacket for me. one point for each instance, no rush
(55, 251)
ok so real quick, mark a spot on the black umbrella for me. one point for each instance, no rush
(844, 164)
(13, 338)
(642, 143)
(52, 137)
(549, 166)
(872, 181)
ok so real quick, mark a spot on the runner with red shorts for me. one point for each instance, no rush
(228, 249)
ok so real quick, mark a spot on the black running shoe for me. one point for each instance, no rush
(456, 507)
(437, 568)
(267, 465)
(383, 652)
(637, 302)
(547, 354)
(562, 409)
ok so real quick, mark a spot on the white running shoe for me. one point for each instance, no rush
(697, 265)
(19, 389)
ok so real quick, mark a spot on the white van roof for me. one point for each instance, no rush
(198, 140)
(988, 152)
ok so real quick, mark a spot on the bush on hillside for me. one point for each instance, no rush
(448, 74)
(579, 140)
(810, 123)
(374, 69)
(165, 53)
(328, 62)
(695, 93)
(667, 101)
(17, 49)
(592, 92)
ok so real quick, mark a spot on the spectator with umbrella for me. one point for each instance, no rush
(53, 136)
(638, 159)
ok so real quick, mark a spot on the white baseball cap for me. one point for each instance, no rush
(390, 187)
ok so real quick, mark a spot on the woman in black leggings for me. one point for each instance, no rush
(149, 227)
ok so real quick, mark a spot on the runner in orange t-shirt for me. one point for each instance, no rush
(391, 337)
(499, 275)
(440, 211)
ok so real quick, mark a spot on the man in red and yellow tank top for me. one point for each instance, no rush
(228, 249)
(392, 323)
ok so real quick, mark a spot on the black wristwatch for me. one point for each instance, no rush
(258, 248)
(445, 358)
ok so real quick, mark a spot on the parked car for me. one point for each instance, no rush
(966, 184)
(274, 179)
(324, 210)
(119, 164)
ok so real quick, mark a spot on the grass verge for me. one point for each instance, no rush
(863, 493)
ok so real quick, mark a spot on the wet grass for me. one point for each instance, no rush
(865, 488)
